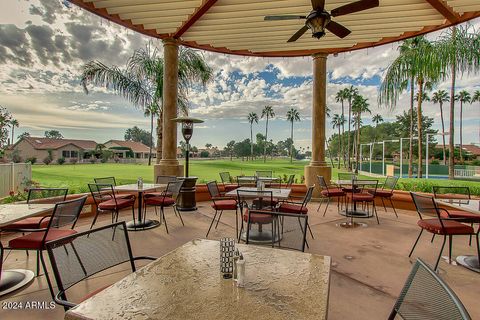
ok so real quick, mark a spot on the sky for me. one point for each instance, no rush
(44, 44)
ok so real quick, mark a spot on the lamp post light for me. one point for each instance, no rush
(383, 154)
(428, 135)
(401, 154)
(187, 200)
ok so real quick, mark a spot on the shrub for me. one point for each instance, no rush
(434, 161)
(61, 160)
(476, 162)
(47, 160)
(93, 160)
(73, 160)
(204, 154)
(16, 156)
(32, 160)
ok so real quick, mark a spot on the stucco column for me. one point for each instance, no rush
(317, 165)
(169, 164)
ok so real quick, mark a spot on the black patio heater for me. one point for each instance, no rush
(187, 194)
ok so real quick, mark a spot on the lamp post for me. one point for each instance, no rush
(401, 154)
(426, 150)
(383, 154)
(187, 198)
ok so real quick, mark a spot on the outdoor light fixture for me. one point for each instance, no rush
(187, 132)
(316, 21)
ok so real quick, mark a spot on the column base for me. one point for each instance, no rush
(167, 169)
(311, 173)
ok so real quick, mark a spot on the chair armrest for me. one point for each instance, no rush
(144, 258)
(32, 230)
(65, 303)
(224, 198)
(293, 202)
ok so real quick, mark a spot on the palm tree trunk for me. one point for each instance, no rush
(265, 145)
(451, 143)
(251, 140)
(348, 137)
(151, 139)
(341, 137)
(13, 130)
(461, 133)
(159, 136)
(419, 125)
(339, 147)
(443, 134)
(357, 150)
(291, 145)
(410, 148)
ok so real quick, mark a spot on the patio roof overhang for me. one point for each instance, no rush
(237, 26)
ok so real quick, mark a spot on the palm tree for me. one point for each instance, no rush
(13, 124)
(292, 115)
(267, 112)
(252, 117)
(456, 52)
(376, 119)
(342, 96)
(151, 111)
(337, 122)
(440, 97)
(463, 96)
(350, 94)
(414, 66)
(476, 98)
(141, 81)
(360, 105)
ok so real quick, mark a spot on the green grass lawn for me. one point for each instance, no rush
(76, 177)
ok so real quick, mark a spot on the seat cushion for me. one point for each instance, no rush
(381, 193)
(33, 240)
(227, 204)
(337, 192)
(28, 223)
(362, 197)
(459, 214)
(265, 202)
(160, 201)
(119, 204)
(124, 195)
(158, 194)
(292, 208)
(258, 218)
(450, 227)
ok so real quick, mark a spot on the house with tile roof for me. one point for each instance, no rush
(124, 149)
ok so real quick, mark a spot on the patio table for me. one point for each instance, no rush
(355, 213)
(187, 284)
(11, 280)
(140, 223)
(473, 206)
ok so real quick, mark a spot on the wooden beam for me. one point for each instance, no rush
(206, 5)
(445, 10)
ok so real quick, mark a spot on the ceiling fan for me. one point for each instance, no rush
(319, 19)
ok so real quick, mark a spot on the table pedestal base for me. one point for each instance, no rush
(352, 224)
(14, 279)
(255, 236)
(469, 262)
(142, 225)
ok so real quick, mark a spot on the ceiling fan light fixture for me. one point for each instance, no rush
(317, 22)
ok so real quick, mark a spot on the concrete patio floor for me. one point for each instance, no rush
(369, 265)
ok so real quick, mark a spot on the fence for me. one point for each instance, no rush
(13, 177)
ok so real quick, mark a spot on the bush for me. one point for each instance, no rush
(16, 156)
(73, 160)
(434, 161)
(61, 160)
(32, 160)
(204, 154)
(47, 160)
(476, 162)
(93, 160)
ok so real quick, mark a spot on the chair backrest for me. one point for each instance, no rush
(165, 179)
(366, 184)
(291, 230)
(46, 195)
(101, 192)
(346, 176)
(66, 213)
(426, 296)
(264, 173)
(322, 183)
(79, 256)
(106, 180)
(451, 192)
(260, 200)
(308, 196)
(390, 183)
(290, 181)
(225, 176)
(246, 181)
(213, 189)
(173, 187)
(425, 205)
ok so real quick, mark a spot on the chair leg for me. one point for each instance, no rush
(450, 242)
(236, 222)
(326, 207)
(309, 229)
(478, 244)
(415, 244)
(433, 237)
(440, 254)
(179, 215)
(470, 238)
(393, 206)
(384, 206)
(218, 220)
(46, 274)
(211, 224)
(320, 204)
(95, 218)
(163, 217)
(38, 263)
(375, 210)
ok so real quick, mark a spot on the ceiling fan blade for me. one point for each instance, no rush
(337, 29)
(298, 34)
(354, 7)
(318, 4)
(272, 18)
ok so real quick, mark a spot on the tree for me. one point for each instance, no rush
(342, 96)
(476, 98)
(5, 118)
(337, 122)
(151, 111)
(267, 112)
(440, 97)
(252, 117)
(141, 81)
(359, 105)
(208, 145)
(138, 135)
(463, 96)
(13, 124)
(230, 148)
(350, 94)
(376, 119)
(53, 134)
(292, 116)
(455, 52)
(23, 135)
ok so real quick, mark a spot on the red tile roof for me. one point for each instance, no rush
(135, 146)
(40, 143)
(471, 148)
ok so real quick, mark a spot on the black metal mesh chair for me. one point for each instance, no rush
(220, 202)
(225, 177)
(290, 181)
(254, 200)
(246, 181)
(426, 296)
(386, 192)
(346, 176)
(291, 230)
(82, 255)
(112, 181)
(264, 174)
(330, 192)
(43, 196)
(165, 179)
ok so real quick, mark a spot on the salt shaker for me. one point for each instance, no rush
(240, 271)
(236, 256)
(140, 183)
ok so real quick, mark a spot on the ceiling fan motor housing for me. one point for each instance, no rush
(317, 21)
